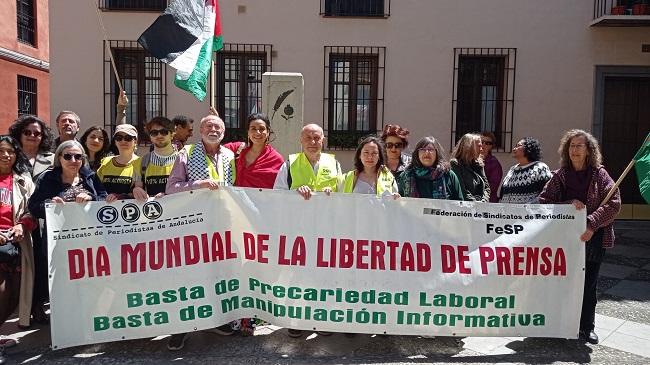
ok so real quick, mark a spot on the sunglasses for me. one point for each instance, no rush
(390, 145)
(155, 132)
(488, 143)
(120, 138)
(28, 133)
(70, 156)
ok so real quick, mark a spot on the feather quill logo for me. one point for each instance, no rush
(280, 100)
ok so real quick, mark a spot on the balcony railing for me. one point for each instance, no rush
(621, 13)
(133, 5)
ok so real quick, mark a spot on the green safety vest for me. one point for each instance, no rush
(385, 181)
(302, 173)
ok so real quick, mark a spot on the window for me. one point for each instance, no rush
(354, 96)
(355, 8)
(239, 84)
(133, 5)
(26, 95)
(26, 23)
(143, 79)
(484, 93)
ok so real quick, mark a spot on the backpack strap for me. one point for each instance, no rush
(145, 162)
(289, 179)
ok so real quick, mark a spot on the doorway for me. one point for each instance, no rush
(625, 122)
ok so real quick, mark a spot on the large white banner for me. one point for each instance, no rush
(346, 263)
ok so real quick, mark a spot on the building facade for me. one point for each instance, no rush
(517, 68)
(24, 60)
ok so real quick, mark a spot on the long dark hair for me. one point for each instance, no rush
(263, 118)
(441, 157)
(47, 139)
(105, 146)
(358, 165)
(22, 165)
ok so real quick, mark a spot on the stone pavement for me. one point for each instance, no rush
(622, 322)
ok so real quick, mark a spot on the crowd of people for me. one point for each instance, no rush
(36, 168)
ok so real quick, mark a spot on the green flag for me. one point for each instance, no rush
(642, 165)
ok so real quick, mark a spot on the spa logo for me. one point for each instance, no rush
(130, 212)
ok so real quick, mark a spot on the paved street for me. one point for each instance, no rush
(623, 324)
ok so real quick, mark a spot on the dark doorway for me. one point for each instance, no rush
(626, 122)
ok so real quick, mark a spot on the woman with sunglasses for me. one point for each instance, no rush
(429, 174)
(16, 259)
(69, 181)
(467, 164)
(121, 174)
(96, 146)
(395, 139)
(256, 162)
(370, 174)
(493, 169)
(36, 142)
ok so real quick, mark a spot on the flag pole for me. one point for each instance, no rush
(108, 48)
(625, 172)
(213, 87)
(618, 182)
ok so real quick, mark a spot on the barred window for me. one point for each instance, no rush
(143, 79)
(484, 82)
(27, 95)
(355, 8)
(354, 98)
(26, 22)
(239, 84)
(133, 5)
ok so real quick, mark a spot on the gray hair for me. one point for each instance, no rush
(65, 145)
(74, 115)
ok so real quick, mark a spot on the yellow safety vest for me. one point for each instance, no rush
(302, 173)
(217, 173)
(385, 181)
(118, 180)
(155, 177)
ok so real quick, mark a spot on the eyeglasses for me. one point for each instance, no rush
(120, 138)
(487, 143)
(427, 150)
(28, 133)
(155, 132)
(70, 156)
(390, 145)
(577, 146)
(9, 152)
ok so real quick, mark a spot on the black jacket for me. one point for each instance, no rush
(50, 185)
(472, 180)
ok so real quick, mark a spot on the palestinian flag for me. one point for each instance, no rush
(642, 166)
(185, 37)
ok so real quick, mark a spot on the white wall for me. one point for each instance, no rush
(557, 53)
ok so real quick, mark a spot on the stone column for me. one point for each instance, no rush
(283, 101)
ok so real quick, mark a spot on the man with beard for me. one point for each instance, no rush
(203, 165)
(158, 163)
